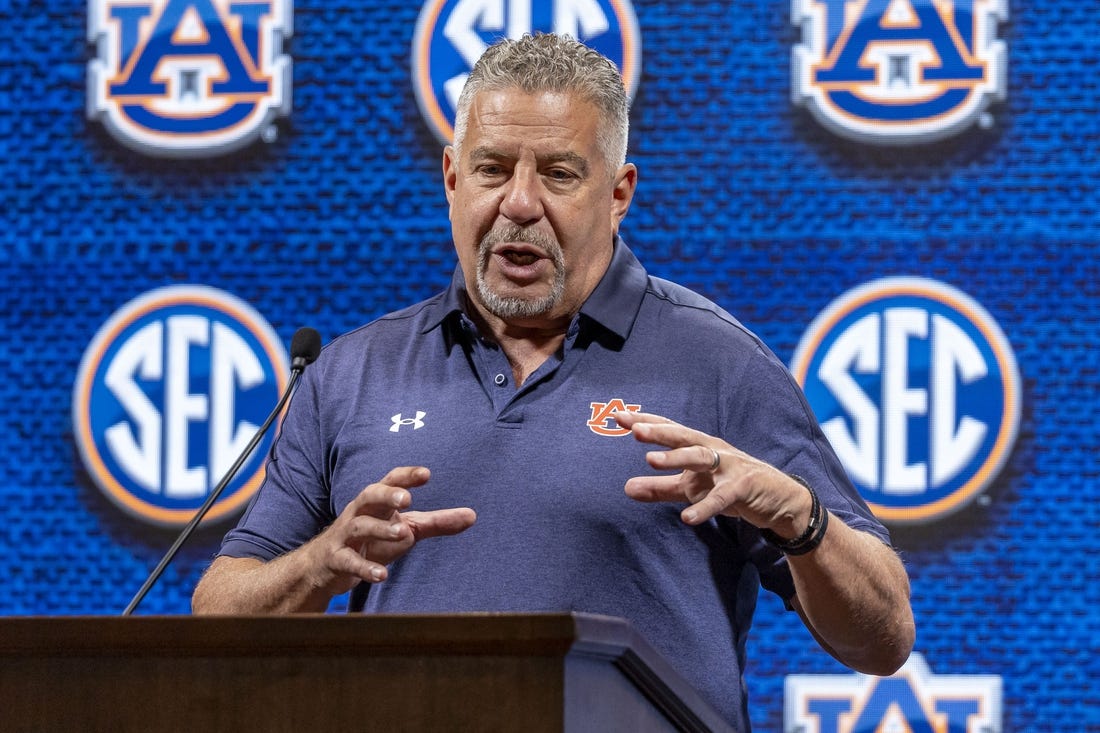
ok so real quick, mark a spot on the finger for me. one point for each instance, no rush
(651, 489)
(407, 476)
(381, 541)
(411, 526)
(699, 458)
(628, 419)
(667, 433)
(391, 493)
(366, 528)
(714, 503)
(348, 562)
(439, 522)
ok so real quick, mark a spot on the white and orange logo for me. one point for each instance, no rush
(917, 388)
(171, 389)
(189, 78)
(603, 422)
(899, 72)
(451, 35)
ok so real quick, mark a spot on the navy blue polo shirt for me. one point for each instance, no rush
(544, 466)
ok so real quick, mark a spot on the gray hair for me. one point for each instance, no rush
(547, 62)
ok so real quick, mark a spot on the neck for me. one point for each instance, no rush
(526, 344)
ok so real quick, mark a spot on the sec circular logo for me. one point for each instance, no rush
(917, 389)
(451, 35)
(169, 392)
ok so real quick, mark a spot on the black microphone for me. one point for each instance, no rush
(304, 348)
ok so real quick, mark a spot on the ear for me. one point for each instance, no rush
(626, 181)
(450, 176)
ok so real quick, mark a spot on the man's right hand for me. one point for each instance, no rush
(374, 530)
(370, 533)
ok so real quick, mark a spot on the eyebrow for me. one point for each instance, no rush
(579, 161)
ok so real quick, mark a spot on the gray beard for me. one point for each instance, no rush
(512, 308)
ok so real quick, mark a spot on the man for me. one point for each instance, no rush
(499, 396)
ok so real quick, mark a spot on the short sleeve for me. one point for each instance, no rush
(292, 504)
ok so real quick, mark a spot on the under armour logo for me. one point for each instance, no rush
(416, 422)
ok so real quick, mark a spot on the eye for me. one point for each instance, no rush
(560, 175)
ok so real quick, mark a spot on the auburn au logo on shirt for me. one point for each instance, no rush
(899, 71)
(188, 78)
(602, 421)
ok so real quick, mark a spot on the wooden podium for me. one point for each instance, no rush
(317, 673)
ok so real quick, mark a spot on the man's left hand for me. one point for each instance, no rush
(715, 478)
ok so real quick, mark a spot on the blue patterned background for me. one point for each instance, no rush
(741, 196)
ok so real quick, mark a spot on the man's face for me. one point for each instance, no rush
(533, 205)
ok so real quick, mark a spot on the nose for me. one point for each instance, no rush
(522, 202)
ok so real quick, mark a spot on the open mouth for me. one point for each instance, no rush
(520, 258)
(519, 254)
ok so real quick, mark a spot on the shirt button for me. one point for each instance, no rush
(500, 379)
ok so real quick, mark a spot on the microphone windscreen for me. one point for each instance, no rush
(305, 346)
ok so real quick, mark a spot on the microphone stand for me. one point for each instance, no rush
(295, 374)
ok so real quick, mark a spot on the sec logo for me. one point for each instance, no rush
(917, 389)
(451, 35)
(169, 392)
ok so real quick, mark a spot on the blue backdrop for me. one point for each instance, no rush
(742, 196)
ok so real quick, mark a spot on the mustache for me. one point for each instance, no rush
(516, 233)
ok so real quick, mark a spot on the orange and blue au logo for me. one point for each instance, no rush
(169, 392)
(917, 389)
(602, 420)
(189, 78)
(451, 35)
(913, 699)
(897, 72)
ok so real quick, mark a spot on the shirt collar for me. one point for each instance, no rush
(451, 302)
(613, 304)
(615, 301)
